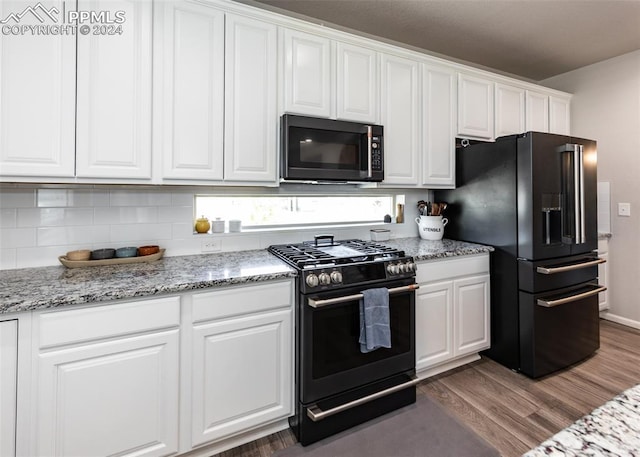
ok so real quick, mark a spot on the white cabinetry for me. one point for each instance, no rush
(37, 100)
(307, 73)
(603, 274)
(113, 124)
(190, 43)
(357, 83)
(537, 108)
(251, 120)
(242, 360)
(475, 106)
(559, 115)
(510, 110)
(439, 110)
(8, 386)
(452, 313)
(401, 120)
(107, 380)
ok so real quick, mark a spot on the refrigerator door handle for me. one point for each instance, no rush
(575, 266)
(576, 174)
(561, 301)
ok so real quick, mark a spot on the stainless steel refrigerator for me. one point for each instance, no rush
(533, 197)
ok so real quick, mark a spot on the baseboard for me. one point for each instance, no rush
(620, 320)
(446, 366)
(238, 440)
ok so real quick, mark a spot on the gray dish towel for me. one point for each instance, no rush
(374, 320)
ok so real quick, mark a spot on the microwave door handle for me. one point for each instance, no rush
(369, 151)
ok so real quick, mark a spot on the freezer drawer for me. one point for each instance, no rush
(547, 275)
(558, 329)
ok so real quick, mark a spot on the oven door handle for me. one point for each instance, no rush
(575, 266)
(561, 301)
(316, 414)
(345, 298)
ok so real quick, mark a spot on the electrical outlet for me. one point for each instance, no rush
(624, 209)
(211, 245)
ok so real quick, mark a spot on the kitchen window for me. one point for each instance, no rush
(286, 211)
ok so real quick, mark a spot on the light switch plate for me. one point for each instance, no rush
(624, 209)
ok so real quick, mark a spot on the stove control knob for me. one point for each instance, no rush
(392, 269)
(411, 267)
(402, 268)
(336, 277)
(312, 280)
(324, 279)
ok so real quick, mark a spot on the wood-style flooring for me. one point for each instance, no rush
(510, 411)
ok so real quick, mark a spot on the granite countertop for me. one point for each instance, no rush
(50, 287)
(612, 429)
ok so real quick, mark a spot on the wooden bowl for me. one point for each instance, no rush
(82, 254)
(148, 250)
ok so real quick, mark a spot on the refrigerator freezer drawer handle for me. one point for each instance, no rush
(576, 266)
(316, 414)
(562, 301)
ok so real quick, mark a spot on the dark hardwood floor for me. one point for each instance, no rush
(510, 411)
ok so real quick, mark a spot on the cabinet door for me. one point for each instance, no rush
(307, 74)
(192, 79)
(118, 397)
(439, 127)
(559, 116)
(475, 107)
(471, 314)
(37, 99)
(251, 120)
(113, 138)
(510, 110)
(241, 374)
(357, 83)
(434, 312)
(537, 118)
(400, 118)
(8, 386)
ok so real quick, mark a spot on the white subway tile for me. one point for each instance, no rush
(182, 247)
(139, 198)
(175, 214)
(52, 198)
(40, 217)
(17, 198)
(182, 199)
(182, 231)
(40, 256)
(240, 242)
(7, 259)
(126, 215)
(56, 236)
(145, 233)
(17, 237)
(8, 217)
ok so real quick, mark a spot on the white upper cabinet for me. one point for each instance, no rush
(251, 118)
(475, 106)
(510, 110)
(537, 108)
(190, 40)
(307, 73)
(401, 120)
(357, 83)
(559, 115)
(439, 110)
(113, 136)
(37, 99)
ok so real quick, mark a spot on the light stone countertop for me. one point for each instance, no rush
(29, 289)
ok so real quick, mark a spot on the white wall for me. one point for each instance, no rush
(39, 224)
(606, 107)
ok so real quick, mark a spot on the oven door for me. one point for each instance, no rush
(330, 360)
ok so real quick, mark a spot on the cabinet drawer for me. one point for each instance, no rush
(436, 270)
(65, 327)
(239, 300)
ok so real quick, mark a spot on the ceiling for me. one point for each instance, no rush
(532, 39)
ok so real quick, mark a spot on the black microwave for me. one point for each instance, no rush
(324, 150)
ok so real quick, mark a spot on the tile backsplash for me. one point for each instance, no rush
(39, 224)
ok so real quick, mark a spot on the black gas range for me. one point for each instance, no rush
(337, 385)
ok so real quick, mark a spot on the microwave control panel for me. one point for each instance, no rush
(376, 153)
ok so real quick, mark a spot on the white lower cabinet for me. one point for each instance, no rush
(452, 313)
(603, 274)
(8, 386)
(107, 380)
(241, 360)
